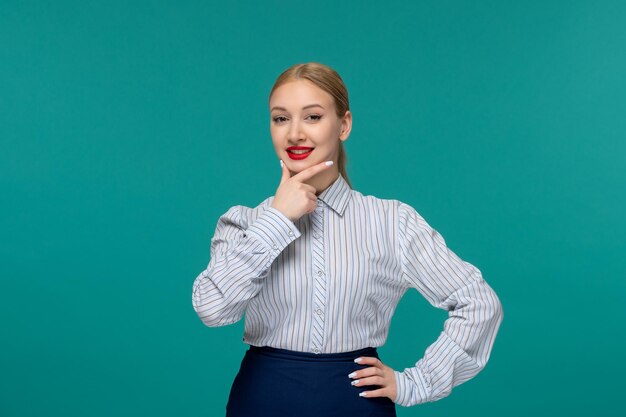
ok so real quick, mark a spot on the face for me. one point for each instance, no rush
(303, 115)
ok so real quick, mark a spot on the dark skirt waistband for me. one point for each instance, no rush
(280, 382)
(310, 356)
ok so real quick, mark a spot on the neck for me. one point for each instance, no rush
(323, 180)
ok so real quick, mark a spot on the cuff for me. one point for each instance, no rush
(412, 387)
(274, 230)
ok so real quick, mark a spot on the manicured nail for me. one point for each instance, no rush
(357, 360)
(356, 381)
(329, 163)
(363, 394)
(352, 375)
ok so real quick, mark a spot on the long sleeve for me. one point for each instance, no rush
(240, 257)
(462, 349)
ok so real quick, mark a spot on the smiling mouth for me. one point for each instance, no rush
(300, 151)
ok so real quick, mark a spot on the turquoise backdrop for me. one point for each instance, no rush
(127, 128)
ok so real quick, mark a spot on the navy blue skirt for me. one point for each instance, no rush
(281, 382)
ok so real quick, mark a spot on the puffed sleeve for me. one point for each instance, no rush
(474, 312)
(240, 258)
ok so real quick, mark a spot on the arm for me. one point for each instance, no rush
(475, 312)
(240, 261)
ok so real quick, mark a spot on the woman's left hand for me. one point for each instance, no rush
(378, 374)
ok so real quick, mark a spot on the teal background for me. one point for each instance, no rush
(127, 128)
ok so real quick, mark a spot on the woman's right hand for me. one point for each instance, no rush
(294, 197)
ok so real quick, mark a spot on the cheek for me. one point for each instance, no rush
(277, 133)
(328, 133)
(330, 130)
(278, 144)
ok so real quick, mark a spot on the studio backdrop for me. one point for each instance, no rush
(128, 128)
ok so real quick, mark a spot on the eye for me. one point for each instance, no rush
(315, 116)
(279, 119)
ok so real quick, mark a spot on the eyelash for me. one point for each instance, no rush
(276, 119)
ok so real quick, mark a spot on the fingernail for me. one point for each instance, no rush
(352, 375)
(329, 163)
(356, 381)
(357, 360)
(281, 163)
(363, 394)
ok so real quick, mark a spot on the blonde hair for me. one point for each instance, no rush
(328, 80)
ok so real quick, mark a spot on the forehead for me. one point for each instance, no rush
(299, 93)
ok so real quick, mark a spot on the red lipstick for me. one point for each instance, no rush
(300, 155)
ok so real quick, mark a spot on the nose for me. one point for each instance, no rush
(295, 132)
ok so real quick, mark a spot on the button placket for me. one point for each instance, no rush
(319, 278)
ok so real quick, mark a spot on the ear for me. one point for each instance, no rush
(346, 125)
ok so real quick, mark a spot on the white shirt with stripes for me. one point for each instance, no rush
(330, 281)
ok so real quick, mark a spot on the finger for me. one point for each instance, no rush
(309, 189)
(370, 380)
(310, 171)
(285, 172)
(368, 360)
(381, 392)
(366, 372)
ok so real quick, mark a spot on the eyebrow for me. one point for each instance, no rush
(305, 107)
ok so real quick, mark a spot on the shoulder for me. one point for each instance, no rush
(398, 209)
(372, 202)
(407, 212)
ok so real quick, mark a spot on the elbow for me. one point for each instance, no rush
(488, 319)
(491, 315)
(493, 319)
(215, 311)
(214, 321)
(209, 303)
(214, 317)
(497, 312)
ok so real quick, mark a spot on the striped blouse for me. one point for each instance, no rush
(331, 280)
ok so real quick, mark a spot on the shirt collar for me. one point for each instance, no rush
(337, 195)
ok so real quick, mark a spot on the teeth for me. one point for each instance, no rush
(298, 152)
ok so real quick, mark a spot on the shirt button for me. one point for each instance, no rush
(319, 272)
(319, 311)
(290, 233)
(274, 246)
(316, 350)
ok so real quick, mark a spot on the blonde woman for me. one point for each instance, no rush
(318, 268)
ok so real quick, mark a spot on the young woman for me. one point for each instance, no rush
(319, 268)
